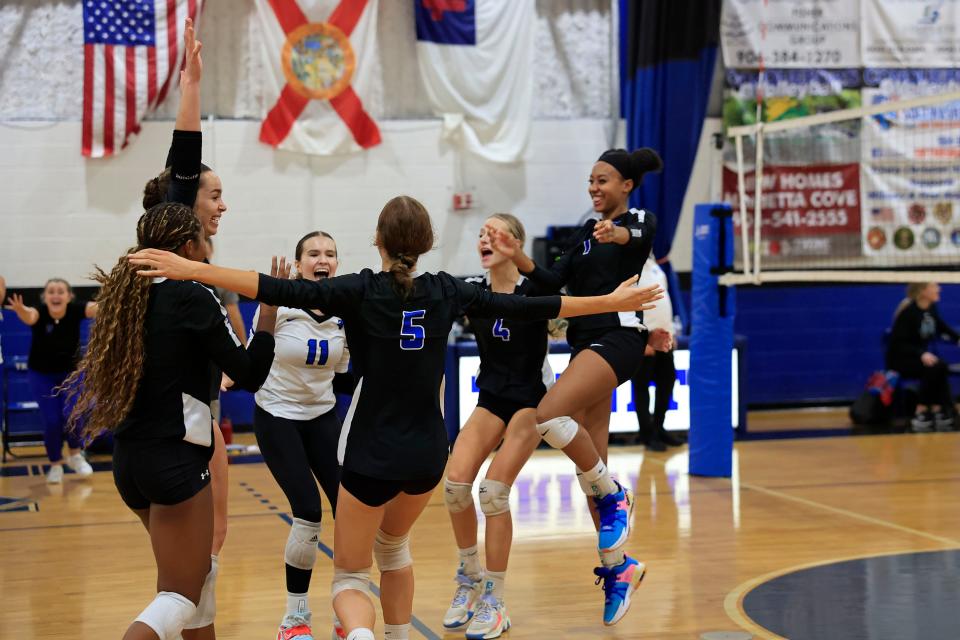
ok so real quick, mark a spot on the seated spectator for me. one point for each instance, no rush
(915, 324)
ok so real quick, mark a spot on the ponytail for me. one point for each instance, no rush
(632, 165)
(404, 232)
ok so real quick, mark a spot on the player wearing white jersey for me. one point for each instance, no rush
(296, 425)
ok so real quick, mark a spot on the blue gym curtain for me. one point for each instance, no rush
(668, 49)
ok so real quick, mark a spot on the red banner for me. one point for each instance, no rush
(800, 201)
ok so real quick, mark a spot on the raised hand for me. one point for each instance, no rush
(193, 65)
(605, 231)
(279, 268)
(629, 297)
(15, 304)
(502, 242)
(163, 264)
(660, 340)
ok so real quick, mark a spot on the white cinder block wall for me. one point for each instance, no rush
(61, 214)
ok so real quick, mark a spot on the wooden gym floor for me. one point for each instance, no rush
(74, 563)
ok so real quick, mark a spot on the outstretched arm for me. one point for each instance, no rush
(548, 279)
(183, 159)
(337, 296)
(159, 263)
(627, 297)
(188, 113)
(27, 315)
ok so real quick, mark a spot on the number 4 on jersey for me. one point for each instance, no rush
(500, 331)
(412, 335)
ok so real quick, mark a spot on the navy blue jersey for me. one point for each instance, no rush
(591, 268)
(398, 347)
(511, 350)
(185, 330)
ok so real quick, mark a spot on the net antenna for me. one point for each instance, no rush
(869, 194)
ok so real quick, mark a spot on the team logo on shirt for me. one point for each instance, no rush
(586, 246)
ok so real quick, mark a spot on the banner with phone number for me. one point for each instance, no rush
(790, 33)
(806, 210)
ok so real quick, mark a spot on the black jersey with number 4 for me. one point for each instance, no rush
(591, 268)
(398, 346)
(511, 350)
(185, 329)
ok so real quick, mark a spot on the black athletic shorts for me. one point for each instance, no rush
(375, 492)
(505, 408)
(161, 471)
(622, 348)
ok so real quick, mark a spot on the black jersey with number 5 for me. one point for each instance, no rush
(511, 350)
(398, 347)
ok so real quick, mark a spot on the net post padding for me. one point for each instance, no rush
(711, 344)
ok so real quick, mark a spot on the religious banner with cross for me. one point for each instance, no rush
(318, 56)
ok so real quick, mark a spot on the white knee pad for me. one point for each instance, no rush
(207, 607)
(392, 552)
(301, 550)
(457, 496)
(167, 614)
(558, 432)
(344, 580)
(494, 497)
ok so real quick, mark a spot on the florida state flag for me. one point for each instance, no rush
(318, 57)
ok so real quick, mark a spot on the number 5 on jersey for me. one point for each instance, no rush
(411, 334)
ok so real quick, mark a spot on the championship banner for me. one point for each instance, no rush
(809, 211)
(911, 33)
(319, 55)
(790, 33)
(911, 167)
(476, 61)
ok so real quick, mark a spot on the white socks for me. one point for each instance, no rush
(612, 558)
(470, 561)
(493, 583)
(361, 634)
(396, 631)
(297, 604)
(597, 482)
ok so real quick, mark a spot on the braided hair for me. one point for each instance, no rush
(106, 380)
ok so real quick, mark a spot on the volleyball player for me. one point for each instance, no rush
(146, 377)
(510, 380)
(397, 322)
(606, 348)
(185, 179)
(297, 426)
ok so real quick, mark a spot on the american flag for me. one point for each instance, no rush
(132, 51)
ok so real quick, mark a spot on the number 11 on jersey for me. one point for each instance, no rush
(312, 352)
(412, 335)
